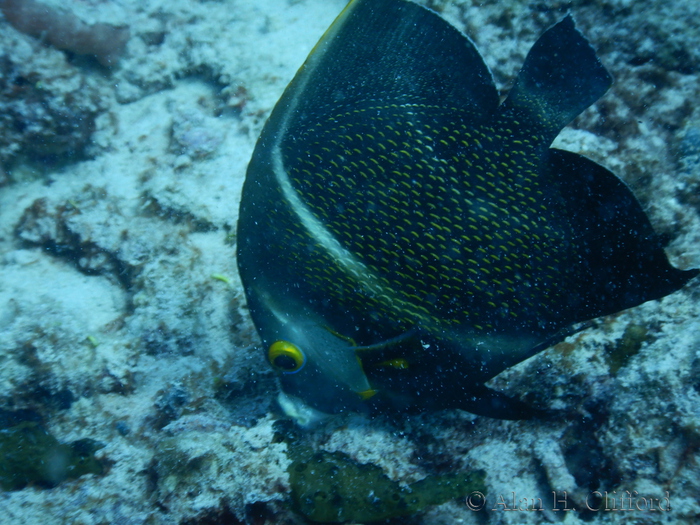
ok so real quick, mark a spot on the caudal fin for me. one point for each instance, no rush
(623, 263)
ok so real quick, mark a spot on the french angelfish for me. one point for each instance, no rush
(403, 238)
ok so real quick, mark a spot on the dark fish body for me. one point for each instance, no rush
(410, 238)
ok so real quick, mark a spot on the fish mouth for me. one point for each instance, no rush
(301, 413)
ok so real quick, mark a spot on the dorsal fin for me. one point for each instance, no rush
(393, 52)
(560, 78)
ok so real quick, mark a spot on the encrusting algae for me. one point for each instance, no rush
(29, 455)
(329, 487)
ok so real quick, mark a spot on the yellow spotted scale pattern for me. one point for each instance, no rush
(454, 221)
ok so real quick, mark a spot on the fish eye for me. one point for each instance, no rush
(286, 357)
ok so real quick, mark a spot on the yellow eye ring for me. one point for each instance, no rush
(286, 357)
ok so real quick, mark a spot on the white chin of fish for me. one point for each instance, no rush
(300, 412)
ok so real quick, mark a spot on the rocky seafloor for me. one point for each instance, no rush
(132, 386)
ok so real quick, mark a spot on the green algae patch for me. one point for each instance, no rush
(635, 335)
(332, 488)
(30, 455)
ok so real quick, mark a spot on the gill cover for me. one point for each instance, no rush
(316, 365)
